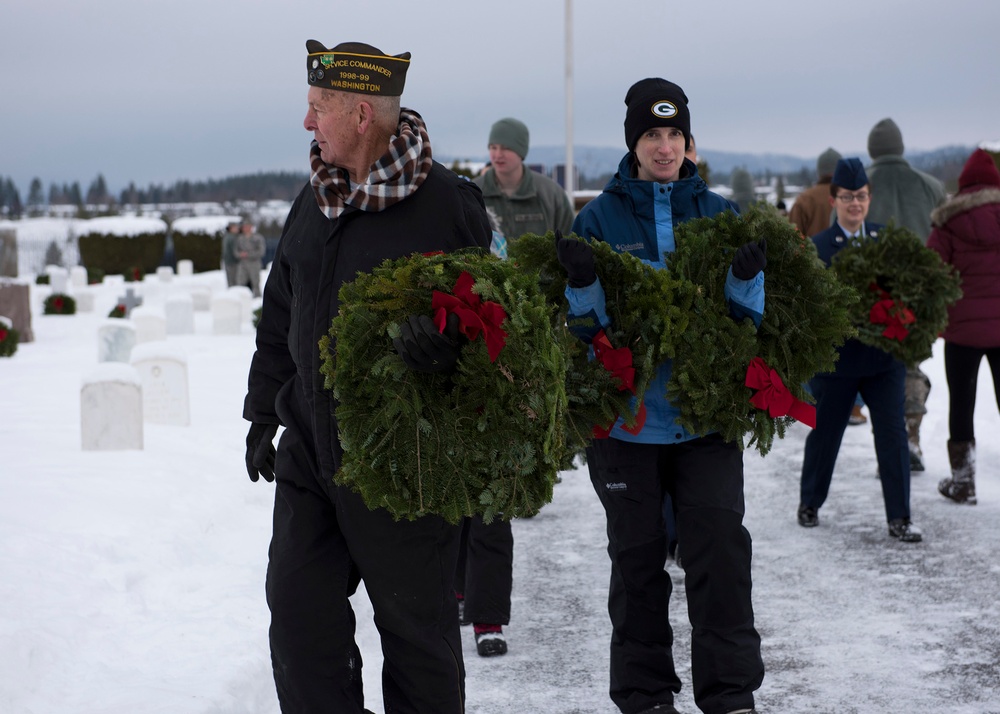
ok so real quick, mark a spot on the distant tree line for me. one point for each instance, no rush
(262, 186)
(945, 164)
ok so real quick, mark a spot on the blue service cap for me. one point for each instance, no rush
(849, 174)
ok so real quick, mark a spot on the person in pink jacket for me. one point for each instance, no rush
(966, 234)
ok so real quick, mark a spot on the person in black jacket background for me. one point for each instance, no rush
(374, 193)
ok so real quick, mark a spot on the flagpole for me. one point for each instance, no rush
(570, 188)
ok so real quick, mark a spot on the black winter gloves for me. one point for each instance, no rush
(260, 451)
(750, 259)
(577, 257)
(424, 349)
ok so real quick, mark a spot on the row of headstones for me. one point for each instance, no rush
(116, 336)
(141, 378)
(118, 399)
(61, 279)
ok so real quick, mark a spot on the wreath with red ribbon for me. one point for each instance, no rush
(647, 308)
(748, 383)
(905, 290)
(486, 439)
(9, 338)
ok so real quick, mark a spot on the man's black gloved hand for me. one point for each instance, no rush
(577, 257)
(424, 349)
(750, 259)
(260, 451)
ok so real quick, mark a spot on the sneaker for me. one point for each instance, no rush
(857, 417)
(490, 641)
(901, 529)
(808, 517)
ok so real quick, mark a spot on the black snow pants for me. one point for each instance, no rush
(325, 540)
(704, 478)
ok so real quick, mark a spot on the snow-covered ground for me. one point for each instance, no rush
(132, 581)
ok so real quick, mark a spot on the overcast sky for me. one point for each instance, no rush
(195, 89)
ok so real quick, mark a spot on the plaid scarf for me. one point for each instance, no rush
(400, 171)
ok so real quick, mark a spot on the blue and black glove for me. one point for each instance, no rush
(750, 259)
(425, 349)
(577, 258)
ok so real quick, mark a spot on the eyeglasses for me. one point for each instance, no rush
(861, 197)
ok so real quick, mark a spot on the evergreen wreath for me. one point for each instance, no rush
(905, 291)
(117, 311)
(647, 308)
(805, 320)
(59, 304)
(9, 338)
(483, 440)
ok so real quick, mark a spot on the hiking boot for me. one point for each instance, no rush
(916, 458)
(857, 417)
(902, 530)
(490, 641)
(808, 517)
(961, 487)
(913, 441)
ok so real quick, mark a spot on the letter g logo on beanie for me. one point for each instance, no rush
(664, 109)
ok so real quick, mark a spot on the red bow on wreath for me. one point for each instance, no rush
(474, 315)
(891, 313)
(619, 363)
(3, 334)
(773, 395)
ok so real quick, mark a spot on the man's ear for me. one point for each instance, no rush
(833, 201)
(364, 114)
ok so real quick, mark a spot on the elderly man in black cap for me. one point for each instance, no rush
(875, 374)
(374, 193)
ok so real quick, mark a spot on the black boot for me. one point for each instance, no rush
(961, 487)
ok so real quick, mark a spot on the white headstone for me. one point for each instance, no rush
(201, 295)
(227, 314)
(245, 296)
(59, 279)
(165, 273)
(111, 409)
(180, 314)
(84, 299)
(78, 276)
(163, 372)
(115, 340)
(150, 324)
(185, 268)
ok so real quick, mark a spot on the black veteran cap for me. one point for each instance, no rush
(356, 67)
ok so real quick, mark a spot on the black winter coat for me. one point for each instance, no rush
(314, 257)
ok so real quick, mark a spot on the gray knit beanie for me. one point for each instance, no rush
(827, 162)
(511, 133)
(885, 139)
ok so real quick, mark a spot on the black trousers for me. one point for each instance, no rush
(961, 367)
(704, 478)
(325, 540)
(485, 570)
(883, 392)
